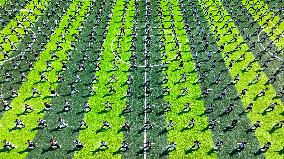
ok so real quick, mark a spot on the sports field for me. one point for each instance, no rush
(107, 79)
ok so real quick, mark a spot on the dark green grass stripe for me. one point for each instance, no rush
(252, 30)
(12, 9)
(159, 120)
(37, 46)
(238, 134)
(135, 136)
(67, 136)
(275, 6)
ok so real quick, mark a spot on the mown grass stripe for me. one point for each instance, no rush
(94, 135)
(23, 49)
(155, 75)
(275, 6)
(179, 135)
(19, 137)
(27, 18)
(261, 103)
(247, 28)
(12, 9)
(74, 116)
(274, 27)
(135, 136)
(238, 134)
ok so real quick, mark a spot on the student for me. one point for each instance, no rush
(54, 144)
(31, 145)
(78, 145)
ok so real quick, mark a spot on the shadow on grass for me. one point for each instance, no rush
(273, 129)
(98, 150)
(117, 152)
(164, 153)
(257, 153)
(190, 150)
(49, 149)
(25, 150)
(234, 152)
(280, 152)
(210, 152)
(101, 130)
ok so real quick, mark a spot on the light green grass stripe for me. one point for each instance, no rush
(278, 31)
(2, 3)
(26, 21)
(91, 136)
(267, 121)
(19, 137)
(184, 139)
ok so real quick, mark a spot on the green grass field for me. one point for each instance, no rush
(134, 56)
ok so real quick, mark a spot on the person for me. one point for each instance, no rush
(209, 108)
(61, 123)
(218, 145)
(105, 125)
(6, 105)
(83, 124)
(233, 124)
(265, 147)
(126, 127)
(196, 144)
(35, 92)
(78, 145)
(170, 124)
(42, 123)
(148, 108)
(147, 146)
(19, 124)
(8, 145)
(212, 123)
(103, 145)
(191, 123)
(168, 107)
(108, 106)
(47, 106)
(279, 124)
(54, 144)
(249, 108)
(86, 107)
(186, 107)
(31, 145)
(255, 125)
(241, 146)
(171, 147)
(66, 106)
(124, 146)
(148, 125)
(28, 108)
(271, 107)
(166, 90)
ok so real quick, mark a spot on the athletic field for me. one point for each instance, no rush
(151, 79)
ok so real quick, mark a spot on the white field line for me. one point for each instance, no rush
(279, 58)
(145, 98)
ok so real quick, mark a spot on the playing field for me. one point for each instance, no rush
(197, 79)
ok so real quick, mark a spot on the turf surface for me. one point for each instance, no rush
(260, 103)
(20, 136)
(24, 53)
(73, 117)
(12, 34)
